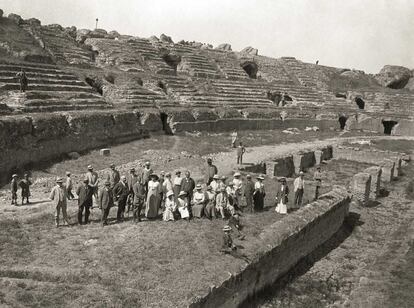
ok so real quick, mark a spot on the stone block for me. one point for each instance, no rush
(327, 153)
(303, 160)
(104, 152)
(375, 173)
(387, 167)
(361, 186)
(397, 168)
(284, 167)
(271, 168)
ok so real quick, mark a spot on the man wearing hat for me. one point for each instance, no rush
(59, 196)
(228, 244)
(298, 188)
(222, 202)
(14, 187)
(25, 186)
(113, 176)
(240, 152)
(121, 193)
(93, 181)
(69, 185)
(132, 178)
(215, 183)
(211, 171)
(138, 200)
(248, 193)
(105, 202)
(317, 177)
(84, 193)
(188, 185)
(145, 175)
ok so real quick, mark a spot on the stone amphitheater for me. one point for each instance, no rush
(118, 87)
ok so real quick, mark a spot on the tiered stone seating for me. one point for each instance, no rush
(50, 89)
(198, 65)
(235, 93)
(389, 102)
(272, 70)
(63, 47)
(227, 63)
(151, 56)
(180, 87)
(117, 53)
(139, 97)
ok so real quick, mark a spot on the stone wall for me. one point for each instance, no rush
(41, 137)
(376, 173)
(361, 187)
(283, 244)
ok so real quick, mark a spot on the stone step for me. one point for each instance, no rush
(58, 87)
(32, 69)
(56, 102)
(43, 81)
(61, 95)
(39, 75)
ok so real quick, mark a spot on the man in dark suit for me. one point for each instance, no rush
(84, 193)
(105, 201)
(139, 199)
(121, 193)
(113, 176)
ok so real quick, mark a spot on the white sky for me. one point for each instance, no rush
(361, 34)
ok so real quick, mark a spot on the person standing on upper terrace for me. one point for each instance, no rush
(233, 138)
(299, 188)
(22, 80)
(211, 171)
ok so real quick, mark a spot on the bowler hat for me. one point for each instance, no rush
(226, 228)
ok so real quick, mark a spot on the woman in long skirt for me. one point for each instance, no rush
(259, 194)
(182, 205)
(177, 184)
(199, 199)
(151, 210)
(169, 207)
(282, 197)
(210, 208)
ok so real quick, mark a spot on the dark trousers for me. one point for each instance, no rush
(249, 203)
(70, 194)
(105, 214)
(298, 198)
(317, 192)
(137, 208)
(121, 208)
(240, 159)
(80, 213)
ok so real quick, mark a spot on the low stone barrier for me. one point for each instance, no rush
(387, 166)
(284, 244)
(376, 173)
(361, 187)
(303, 160)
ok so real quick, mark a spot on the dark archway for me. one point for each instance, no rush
(96, 84)
(165, 125)
(342, 122)
(172, 60)
(388, 126)
(251, 68)
(360, 103)
(340, 95)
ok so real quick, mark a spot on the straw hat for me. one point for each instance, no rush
(237, 174)
(167, 174)
(67, 173)
(14, 175)
(182, 193)
(248, 176)
(216, 177)
(301, 173)
(198, 186)
(226, 228)
(223, 177)
(170, 193)
(260, 177)
(132, 169)
(112, 165)
(147, 163)
(59, 180)
(282, 179)
(90, 167)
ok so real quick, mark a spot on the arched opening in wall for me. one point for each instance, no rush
(251, 68)
(342, 122)
(96, 84)
(388, 126)
(162, 86)
(340, 95)
(172, 60)
(94, 55)
(165, 125)
(360, 103)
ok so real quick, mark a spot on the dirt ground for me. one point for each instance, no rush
(129, 264)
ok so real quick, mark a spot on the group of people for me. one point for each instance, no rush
(144, 192)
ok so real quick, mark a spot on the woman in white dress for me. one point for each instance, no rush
(282, 197)
(182, 204)
(169, 207)
(152, 206)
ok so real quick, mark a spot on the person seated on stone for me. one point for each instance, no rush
(182, 205)
(170, 207)
(222, 183)
(222, 202)
(210, 208)
(231, 194)
(199, 200)
(235, 224)
(215, 183)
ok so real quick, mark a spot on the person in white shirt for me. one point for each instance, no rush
(298, 188)
(215, 184)
(199, 199)
(170, 207)
(177, 184)
(237, 186)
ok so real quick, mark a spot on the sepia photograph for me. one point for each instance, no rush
(206, 154)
